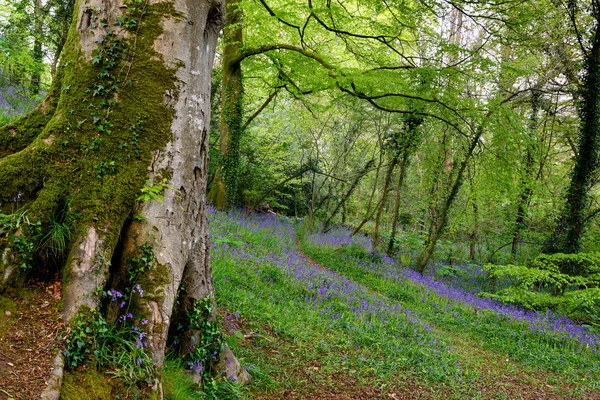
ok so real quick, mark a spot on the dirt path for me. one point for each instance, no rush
(29, 331)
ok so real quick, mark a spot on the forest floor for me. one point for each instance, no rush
(501, 377)
(319, 323)
(30, 326)
(500, 374)
(314, 317)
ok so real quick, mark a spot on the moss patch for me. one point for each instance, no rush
(93, 139)
(88, 383)
(6, 304)
(154, 282)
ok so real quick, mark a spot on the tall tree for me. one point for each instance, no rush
(224, 187)
(126, 120)
(567, 235)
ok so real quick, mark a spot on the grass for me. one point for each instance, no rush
(529, 342)
(363, 324)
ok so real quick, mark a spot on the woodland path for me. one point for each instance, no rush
(501, 376)
(30, 329)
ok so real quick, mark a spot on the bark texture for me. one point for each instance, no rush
(129, 109)
(224, 188)
(571, 225)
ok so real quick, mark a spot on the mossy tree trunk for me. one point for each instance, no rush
(128, 111)
(384, 195)
(408, 144)
(223, 191)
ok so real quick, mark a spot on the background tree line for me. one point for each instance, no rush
(473, 124)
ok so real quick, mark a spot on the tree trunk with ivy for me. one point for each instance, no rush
(223, 190)
(568, 233)
(116, 157)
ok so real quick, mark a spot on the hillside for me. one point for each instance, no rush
(324, 317)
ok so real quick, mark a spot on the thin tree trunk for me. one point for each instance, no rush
(369, 212)
(346, 196)
(403, 167)
(473, 236)
(526, 182)
(386, 188)
(440, 225)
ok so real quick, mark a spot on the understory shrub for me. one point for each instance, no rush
(565, 283)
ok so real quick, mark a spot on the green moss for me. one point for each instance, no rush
(86, 385)
(164, 174)
(6, 322)
(90, 384)
(66, 276)
(67, 154)
(154, 282)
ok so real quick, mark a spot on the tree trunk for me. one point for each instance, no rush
(386, 189)
(526, 183)
(37, 54)
(223, 191)
(408, 143)
(473, 235)
(569, 230)
(327, 224)
(369, 212)
(130, 104)
(437, 229)
(65, 14)
(403, 167)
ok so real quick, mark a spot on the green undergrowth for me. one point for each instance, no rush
(310, 329)
(90, 384)
(537, 350)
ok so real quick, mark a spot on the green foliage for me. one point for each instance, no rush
(545, 285)
(205, 353)
(570, 264)
(152, 192)
(59, 234)
(142, 264)
(85, 328)
(18, 232)
(118, 347)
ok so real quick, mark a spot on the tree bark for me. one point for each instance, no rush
(386, 189)
(527, 190)
(570, 227)
(369, 212)
(403, 167)
(130, 104)
(437, 229)
(224, 188)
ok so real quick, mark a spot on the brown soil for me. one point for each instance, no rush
(29, 341)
